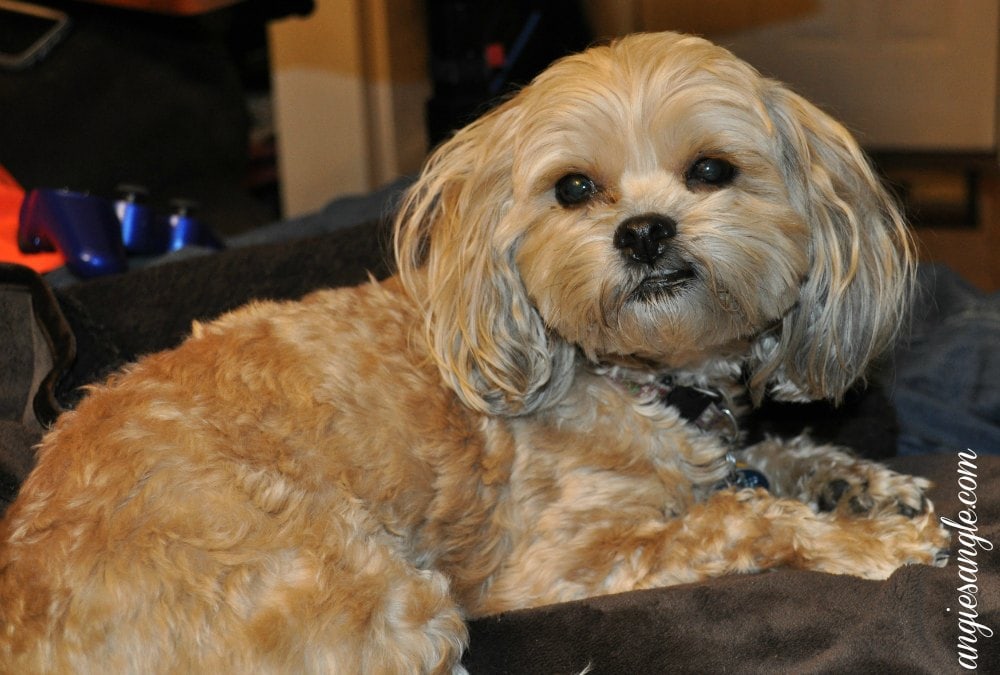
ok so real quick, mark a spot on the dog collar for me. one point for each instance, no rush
(706, 409)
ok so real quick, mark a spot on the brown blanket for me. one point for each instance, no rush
(783, 621)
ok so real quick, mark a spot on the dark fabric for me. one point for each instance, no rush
(17, 353)
(864, 421)
(946, 380)
(781, 621)
(36, 345)
(17, 458)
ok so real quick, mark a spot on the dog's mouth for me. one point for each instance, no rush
(660, 283)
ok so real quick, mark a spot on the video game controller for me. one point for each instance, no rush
(184, 228)
(96, 235)
(141, 233)
(83, 227)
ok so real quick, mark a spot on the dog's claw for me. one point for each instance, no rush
(829, 498)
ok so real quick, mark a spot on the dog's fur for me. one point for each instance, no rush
(334, 484)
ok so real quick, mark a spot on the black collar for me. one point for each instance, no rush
(704, 407)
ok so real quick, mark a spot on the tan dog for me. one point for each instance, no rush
(332, 485)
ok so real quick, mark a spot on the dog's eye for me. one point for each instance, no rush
(574, 188)
(711, 171)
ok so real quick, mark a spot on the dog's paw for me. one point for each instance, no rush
(873, 548)
(866, 489)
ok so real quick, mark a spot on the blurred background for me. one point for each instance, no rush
(267, 109)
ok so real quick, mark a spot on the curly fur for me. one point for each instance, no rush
(334, 484)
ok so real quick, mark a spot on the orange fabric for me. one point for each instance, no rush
(11, 196)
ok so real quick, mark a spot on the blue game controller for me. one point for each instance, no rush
(184, 228)
(141, 233)
(82, 227)
(96, 235)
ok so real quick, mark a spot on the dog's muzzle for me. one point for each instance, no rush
(645, 242)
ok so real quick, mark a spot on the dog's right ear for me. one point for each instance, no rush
(455, 257)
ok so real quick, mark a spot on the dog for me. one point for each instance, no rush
(336, 484)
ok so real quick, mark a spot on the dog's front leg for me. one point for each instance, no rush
(733, 531)
(752, 530)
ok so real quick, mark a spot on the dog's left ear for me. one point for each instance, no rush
(861, 272)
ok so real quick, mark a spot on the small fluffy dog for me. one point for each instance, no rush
(334, 484)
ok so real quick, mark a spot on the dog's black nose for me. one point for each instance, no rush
(644, 238)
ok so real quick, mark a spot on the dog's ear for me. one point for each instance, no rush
(861, 272)
(455, 256)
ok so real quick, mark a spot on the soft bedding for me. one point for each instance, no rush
(61, 336)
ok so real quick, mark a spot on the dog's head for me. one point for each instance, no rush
(652, 201)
